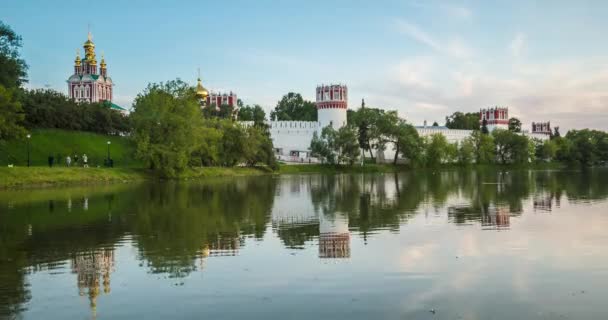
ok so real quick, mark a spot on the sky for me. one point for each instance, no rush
(545, 60)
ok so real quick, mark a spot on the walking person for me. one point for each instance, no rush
(76, 159)
(85, 161)
(51, 160)
(68, 161)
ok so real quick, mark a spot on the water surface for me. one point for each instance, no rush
(418, 245)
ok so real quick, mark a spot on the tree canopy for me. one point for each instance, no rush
(292, 107)
(464, 121)
(13, 69)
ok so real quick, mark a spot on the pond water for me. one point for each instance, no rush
(417, 245)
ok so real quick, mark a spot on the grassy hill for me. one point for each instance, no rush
(61, 143)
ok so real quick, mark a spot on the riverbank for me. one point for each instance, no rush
(24, 177)
(35, 177)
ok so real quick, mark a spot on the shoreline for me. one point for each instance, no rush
(45, 177)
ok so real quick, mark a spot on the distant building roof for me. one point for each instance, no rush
(432, 127)
(114, 106)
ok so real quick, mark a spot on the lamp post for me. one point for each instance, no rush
(28, 149)
(109, 152)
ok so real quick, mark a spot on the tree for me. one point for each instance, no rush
(167, 126)
(207, 153)
(13, 70)
(409, 143)
(370, 129)
(320, 149)
(466, 152)
(464, 121)
(512, 147)
(346, 145)
(258, 147)
(483, 146)
(437, 149)
(11, 115)
(514, 125)
(52, 109)
(253, 113)
(556, 133)
(587, 147)
(546, 150)
(324, 147)
(484, 127)
(292, 107)
(233, 144)
(435, 124)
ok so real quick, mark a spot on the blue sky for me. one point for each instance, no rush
(546, 60)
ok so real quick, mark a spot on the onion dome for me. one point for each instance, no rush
(89, 50)
(89, 43)
(77, 60)
(103, 62)
(201, 92)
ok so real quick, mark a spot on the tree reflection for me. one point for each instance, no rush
(178, 227)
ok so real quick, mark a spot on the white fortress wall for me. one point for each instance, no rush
(452, 135)
(539, 136)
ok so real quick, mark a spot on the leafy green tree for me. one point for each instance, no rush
(13, 70)
(556, 133)
(437, 149)
(546, 150)
(347, 146)
(258, 147)
(370, 124)
(584, 146)
(512, 147)
(52, 109)
(483, 146)
(208, 152)
(409, 143)
(233, 144)
(514, 125)
(484, 127)
(11, 115)
(320, 149)
(435, 124)
(253, 113)
(167, 126)
(464, 121)
(292, 107)
(466, 152)
(563, 149)
(328, 135)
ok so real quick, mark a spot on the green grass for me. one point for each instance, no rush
(45, 176)
(60, 143)
(19, 177)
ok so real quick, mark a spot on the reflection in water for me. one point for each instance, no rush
(179, 229)
(92, 268)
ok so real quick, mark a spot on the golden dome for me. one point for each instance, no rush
(89, 42)
(201, 92)
(77, 60)
(103, 62)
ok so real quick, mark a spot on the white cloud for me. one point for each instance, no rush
(570, 94)
(451, 10)
(417, 34)
(518, 45)
(415, 72)
(454, 47)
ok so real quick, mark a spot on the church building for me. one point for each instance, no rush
(89, 84)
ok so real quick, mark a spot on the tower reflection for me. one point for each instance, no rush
(93, 269)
